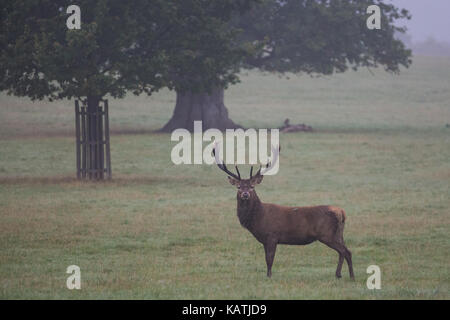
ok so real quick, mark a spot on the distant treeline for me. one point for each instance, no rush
(429, 47)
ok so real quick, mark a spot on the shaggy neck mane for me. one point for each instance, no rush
(248, 209)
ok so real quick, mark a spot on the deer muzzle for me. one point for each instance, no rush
(245, 195)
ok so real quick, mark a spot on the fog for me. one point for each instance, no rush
(430, 18)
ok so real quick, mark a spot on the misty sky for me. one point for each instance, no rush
(429, 18)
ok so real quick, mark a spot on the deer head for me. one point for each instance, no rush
(246, 187)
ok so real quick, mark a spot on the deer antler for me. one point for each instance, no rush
(270, 164)
(222, 165)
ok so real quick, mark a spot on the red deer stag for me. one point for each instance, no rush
(273, 224)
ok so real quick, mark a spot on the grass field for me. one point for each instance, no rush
(381, 151)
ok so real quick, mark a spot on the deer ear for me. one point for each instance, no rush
(257, 179)
(233, 181)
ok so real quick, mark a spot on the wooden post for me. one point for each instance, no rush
(95, 144)
(108, 155)
(88, 142)
(102, 142)
(83, 133)
(77, 133)
(93, 156)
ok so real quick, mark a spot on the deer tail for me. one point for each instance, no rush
(343, 216)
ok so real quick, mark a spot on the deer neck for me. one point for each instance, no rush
(248, 210)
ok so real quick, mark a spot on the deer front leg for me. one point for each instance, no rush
(270, 247)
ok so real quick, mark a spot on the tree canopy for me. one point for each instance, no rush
(298, 36)
(134, 45)
(321, 36)
(196, 47)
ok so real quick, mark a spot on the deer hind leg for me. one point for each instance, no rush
(270, 247)
(341, 250)
(343, 253)
(339, 266)
(348, 258)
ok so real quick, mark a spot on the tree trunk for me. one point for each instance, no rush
(94, 137)
(206, 107)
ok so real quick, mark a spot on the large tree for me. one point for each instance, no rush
(300, 36)
(134, 45)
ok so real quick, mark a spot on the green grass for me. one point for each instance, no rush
(158, 231)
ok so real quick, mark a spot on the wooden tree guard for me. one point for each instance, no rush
(92, 137)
